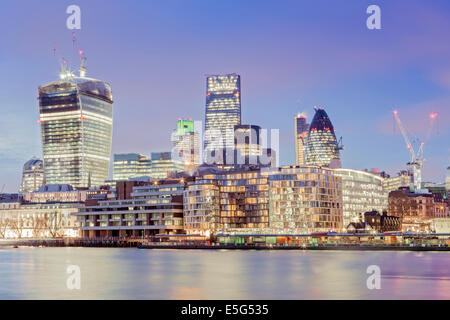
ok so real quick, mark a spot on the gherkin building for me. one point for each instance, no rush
(321, 146)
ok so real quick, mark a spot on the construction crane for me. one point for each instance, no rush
(417, 159)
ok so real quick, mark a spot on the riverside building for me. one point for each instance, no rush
(290, 199)
(144, 209)
(224, 200)
(305, 199)
(361, 192)
(45, 213)
(417, 210)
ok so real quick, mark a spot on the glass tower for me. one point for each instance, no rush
(223, 111)
(131, 165)
(76, 119)
(321, 145)
(163, 165)
(32, 176)
(186, 144)
(301, 134)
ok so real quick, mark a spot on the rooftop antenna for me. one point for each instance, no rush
(58, 57)
(65, 72)
(82, 64)
(82, 69)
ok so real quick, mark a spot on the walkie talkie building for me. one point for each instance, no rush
(76, 120)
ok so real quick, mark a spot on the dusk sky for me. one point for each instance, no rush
(291, 55)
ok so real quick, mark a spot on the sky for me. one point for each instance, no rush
(291, 55)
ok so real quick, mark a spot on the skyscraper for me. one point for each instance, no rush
(223, 111)
(163, 165)
(301, 135)
(32, 176)
(76, 119)
(247, 139)
(322, 147)
(186, 144)
(131, 165)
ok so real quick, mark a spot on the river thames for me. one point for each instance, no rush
(129, 273)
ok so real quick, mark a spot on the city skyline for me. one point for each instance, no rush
(415, 88)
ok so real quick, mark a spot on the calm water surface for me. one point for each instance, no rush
(128, 273)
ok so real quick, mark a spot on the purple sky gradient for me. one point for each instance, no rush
(291, 55)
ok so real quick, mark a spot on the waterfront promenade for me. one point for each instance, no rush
(370, 242)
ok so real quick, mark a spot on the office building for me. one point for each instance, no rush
(149, 209)
(223, 111)
(269, 200)
(305, 199)
(131, 165)
(162, 165)
(45, 213)
(301, 135)
(223, 200)
(247, 144)
(32, 176)
(402, 179)
(362, 191)
(447, 183)
(417, 210)
(186, 144)
(322, 148)
(76, 119)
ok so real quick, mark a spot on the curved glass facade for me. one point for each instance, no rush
(321, 145)
(32, 176)
(361, 192)
(76, 119)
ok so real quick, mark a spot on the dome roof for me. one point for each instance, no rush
(321, 121)
(31, 164)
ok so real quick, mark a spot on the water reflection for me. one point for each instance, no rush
(110, 273)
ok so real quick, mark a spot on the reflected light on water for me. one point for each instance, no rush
(129, 273)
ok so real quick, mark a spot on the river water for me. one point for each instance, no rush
(130, 273)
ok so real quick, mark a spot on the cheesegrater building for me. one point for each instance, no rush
(321, 146)
(76, 120)
(223, 111)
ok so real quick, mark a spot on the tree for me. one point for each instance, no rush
(53, 224)
(16, 225)
(403, 206)
(37, 225)
(4, 226)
